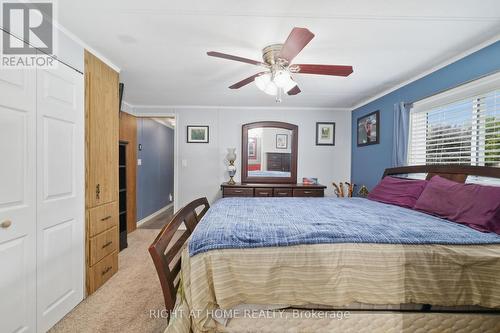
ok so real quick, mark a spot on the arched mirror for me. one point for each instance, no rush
(269, 152)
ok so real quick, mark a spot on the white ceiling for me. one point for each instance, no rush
(161, 45)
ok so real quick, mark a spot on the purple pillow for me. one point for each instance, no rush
(398, 191)
(477, 206)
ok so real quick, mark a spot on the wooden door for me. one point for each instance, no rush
(102, 131)
(60, 194)
(17, 201)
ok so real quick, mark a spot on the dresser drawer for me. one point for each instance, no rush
(102, 271)
(263, 192)
(103, 218)
(300, 192)
(103, 244)
(282, 192)
(238, 192)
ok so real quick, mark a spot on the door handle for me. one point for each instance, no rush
(107, 269)
(107, 244)
(5, 224)
(98, 191)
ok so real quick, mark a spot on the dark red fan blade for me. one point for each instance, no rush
(235, 58)
(296, 41)
(244, 82)
(294, 91)
(324, 69)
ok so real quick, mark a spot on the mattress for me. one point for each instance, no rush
(337, 275)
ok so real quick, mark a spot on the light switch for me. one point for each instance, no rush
(184, 163)
(139, 161)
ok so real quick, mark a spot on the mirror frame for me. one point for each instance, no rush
(245, 179)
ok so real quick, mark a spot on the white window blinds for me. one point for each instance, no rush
(453, 129)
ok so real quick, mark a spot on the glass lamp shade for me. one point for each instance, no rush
(231, 154)
(283, 80)
(264, 83)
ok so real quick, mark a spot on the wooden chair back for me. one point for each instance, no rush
(165, 248)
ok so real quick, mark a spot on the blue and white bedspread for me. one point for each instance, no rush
(262, 222)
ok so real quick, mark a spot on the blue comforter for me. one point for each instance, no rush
(261, 222)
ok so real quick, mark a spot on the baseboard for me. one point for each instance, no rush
(158, 212)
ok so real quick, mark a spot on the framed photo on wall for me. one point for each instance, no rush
(325, 134)
(369, 129)
(197, 134)
(281, 141)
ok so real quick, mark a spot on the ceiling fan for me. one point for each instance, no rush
(277, 78)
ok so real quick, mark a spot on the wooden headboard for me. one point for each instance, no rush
(456, 173)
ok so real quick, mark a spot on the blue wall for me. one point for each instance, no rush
(369, 162)
(155, 176)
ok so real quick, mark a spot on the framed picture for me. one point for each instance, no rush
(325, 134)
(369, 129)
(281, 141)
(252, 148)
(197, 134)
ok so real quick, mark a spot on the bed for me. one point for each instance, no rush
(326, 253)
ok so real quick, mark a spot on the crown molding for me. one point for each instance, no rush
(137, 109)
(86, 46)
(450, 61)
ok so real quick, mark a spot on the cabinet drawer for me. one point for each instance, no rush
(263, 192)
(102, 271)
(238, 192)
(103, 218)
(282, 192)
(307, 192)
(103, 244)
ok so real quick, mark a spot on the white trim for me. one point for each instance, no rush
(157, 119)
(137, 108)
(128, 108)
(479, 86)
(155, 214)
(429, 71)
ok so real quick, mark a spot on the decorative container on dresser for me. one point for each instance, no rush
(272, 190)
(101, 152)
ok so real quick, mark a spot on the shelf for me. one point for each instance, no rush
(123, 212)
(123, 190)
(122, 166)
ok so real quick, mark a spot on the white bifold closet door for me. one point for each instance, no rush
(41, 197)
(60, 193)
(17, 201)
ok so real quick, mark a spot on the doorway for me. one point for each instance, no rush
(155, 170)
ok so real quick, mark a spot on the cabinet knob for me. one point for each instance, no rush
(5, 224)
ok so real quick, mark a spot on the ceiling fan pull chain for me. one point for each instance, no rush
(279, 95)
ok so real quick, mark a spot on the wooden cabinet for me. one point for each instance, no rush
(272, 190)
(102, 131)
(101, 181)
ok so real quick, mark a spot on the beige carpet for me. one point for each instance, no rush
(123, 304)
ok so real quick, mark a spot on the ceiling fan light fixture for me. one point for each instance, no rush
(284, 80)
(264, 83)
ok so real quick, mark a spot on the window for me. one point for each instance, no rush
(460, 126)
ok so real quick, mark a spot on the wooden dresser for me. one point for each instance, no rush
(101, 182)
(272, 190)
